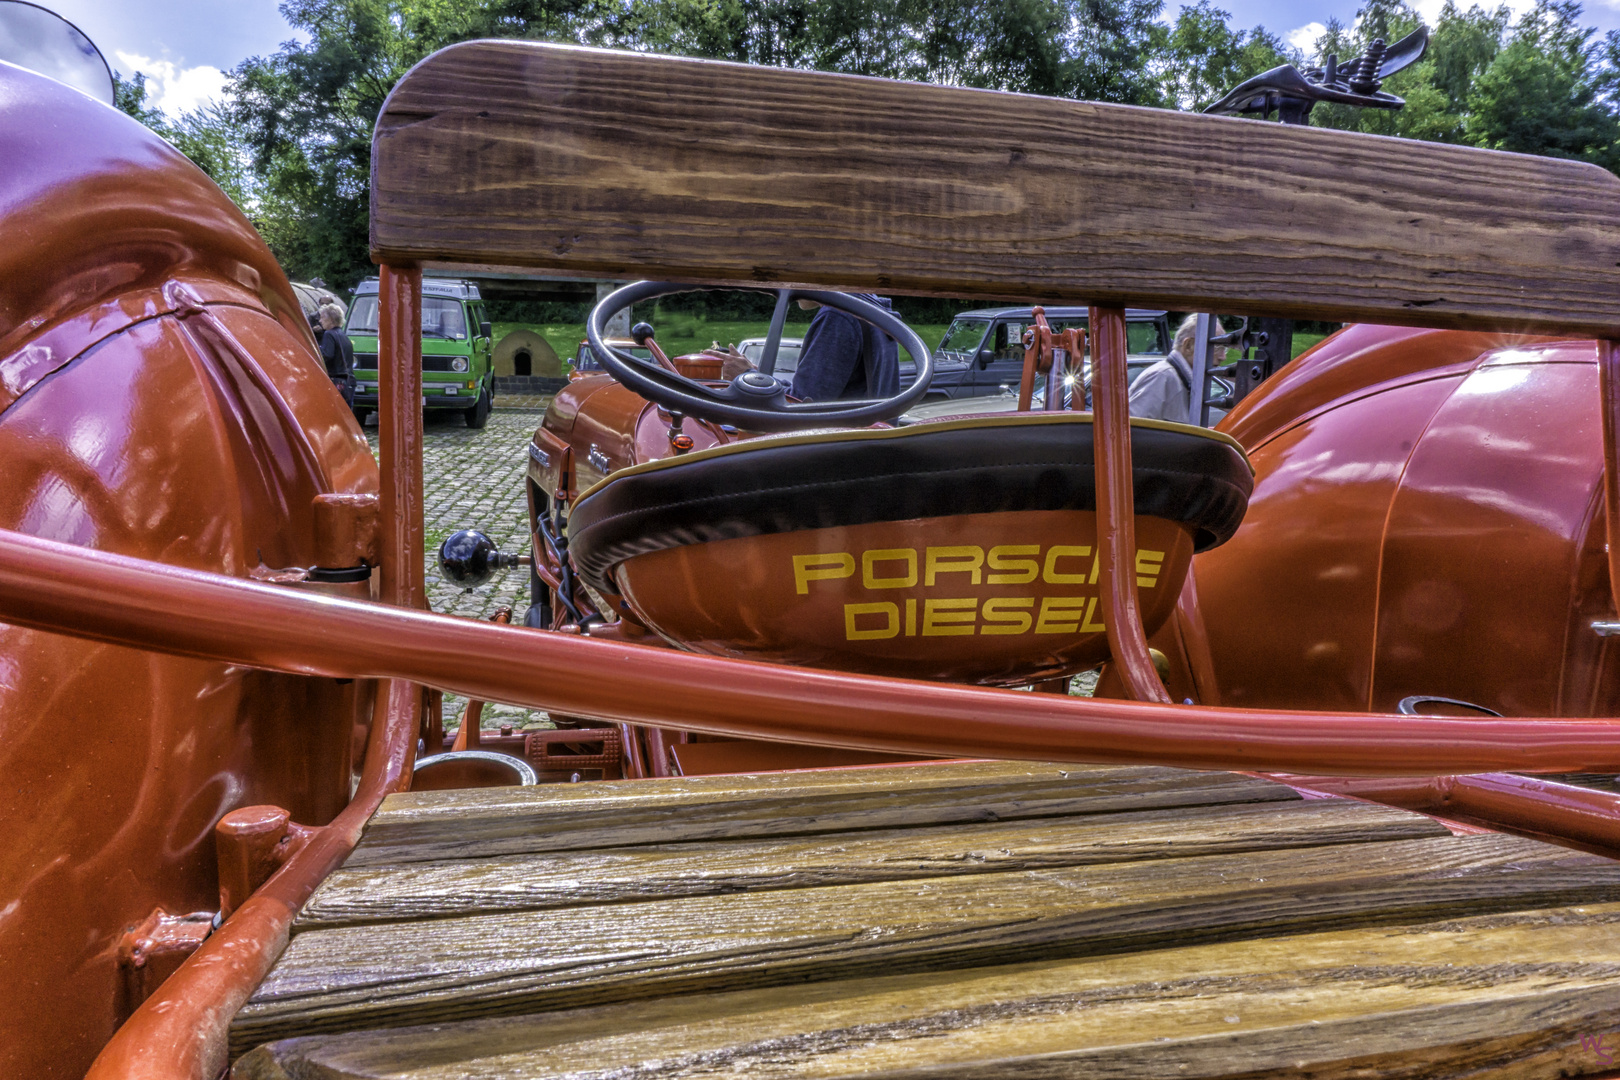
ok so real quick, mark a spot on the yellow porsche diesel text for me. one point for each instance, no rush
(958, 567)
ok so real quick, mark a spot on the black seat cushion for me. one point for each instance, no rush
(816, 480)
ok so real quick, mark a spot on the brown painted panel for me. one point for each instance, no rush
(514, 154)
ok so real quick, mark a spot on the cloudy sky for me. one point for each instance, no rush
(186, 46)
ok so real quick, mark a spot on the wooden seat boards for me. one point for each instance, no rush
(963, 919)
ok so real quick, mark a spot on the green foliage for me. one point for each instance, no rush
(208, 137)
(1538, 86)
(1203, 56)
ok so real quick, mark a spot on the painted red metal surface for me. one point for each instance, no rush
(1608, 357)
(161, 397)
(1116, 508)
(180, 1031)
(1435, 526)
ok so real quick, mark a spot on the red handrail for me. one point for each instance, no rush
(53, 586)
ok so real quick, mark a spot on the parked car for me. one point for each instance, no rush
(982, 350)
(1006, 398)
(457, 371)
(313, 296)
(585, 361)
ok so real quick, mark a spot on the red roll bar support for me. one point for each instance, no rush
(399, 433)
(1116, 506)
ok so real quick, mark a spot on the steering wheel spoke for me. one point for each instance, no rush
(755, 400)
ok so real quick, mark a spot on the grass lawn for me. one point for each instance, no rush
(679, 334)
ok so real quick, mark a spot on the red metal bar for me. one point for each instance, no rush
(399, 433)
(1116, 507)
(104, 597)
(180, 1031)
(1527, 806)
(1608, 355)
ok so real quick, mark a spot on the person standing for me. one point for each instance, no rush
(1164, 391)
(843, 357)
(337, 351)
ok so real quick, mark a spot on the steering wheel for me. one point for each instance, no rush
(754, 400)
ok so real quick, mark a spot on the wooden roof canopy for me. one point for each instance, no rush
(510, 155)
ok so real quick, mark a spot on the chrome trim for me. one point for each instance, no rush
(1606, 629)
(598, 460)
(539, 456)
(522, 769)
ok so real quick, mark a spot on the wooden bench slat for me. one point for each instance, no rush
(400, 973)
(513, 155)
(469, 886)
(1495, 996)
(424, 826)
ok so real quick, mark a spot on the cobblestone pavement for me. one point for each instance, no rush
(474, 479)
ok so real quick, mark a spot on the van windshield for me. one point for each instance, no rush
(441, 318)
(963, 338)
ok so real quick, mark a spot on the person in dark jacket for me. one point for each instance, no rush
(843, 357)
(337, 351)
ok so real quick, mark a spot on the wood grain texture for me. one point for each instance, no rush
(470, 886)
(602, 164)
(1498, 996)
(396, 973)
(487, 822)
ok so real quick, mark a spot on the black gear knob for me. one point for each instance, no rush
(641, 332)
(468, 558)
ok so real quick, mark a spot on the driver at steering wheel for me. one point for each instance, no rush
(843, 357)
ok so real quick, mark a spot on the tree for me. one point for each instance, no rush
(207, 136)
(1544, 92)
(1203, 57)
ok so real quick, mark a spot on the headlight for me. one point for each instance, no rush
(459, 364)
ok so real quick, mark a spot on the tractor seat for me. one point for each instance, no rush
(1194, 477)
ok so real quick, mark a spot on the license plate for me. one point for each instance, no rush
(452, 390)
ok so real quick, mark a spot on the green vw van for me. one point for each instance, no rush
(456, 347)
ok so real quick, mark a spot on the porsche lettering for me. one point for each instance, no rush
(954, 568)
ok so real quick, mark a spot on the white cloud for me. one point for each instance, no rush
(170, 88)
(1304, 37)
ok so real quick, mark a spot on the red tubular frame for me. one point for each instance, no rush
(1559, 813)
(1116, 506)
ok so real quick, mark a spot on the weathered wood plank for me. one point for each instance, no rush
(603, 164)
(486, 822)
(1498, 996)
(396, 973)
(461, 887)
